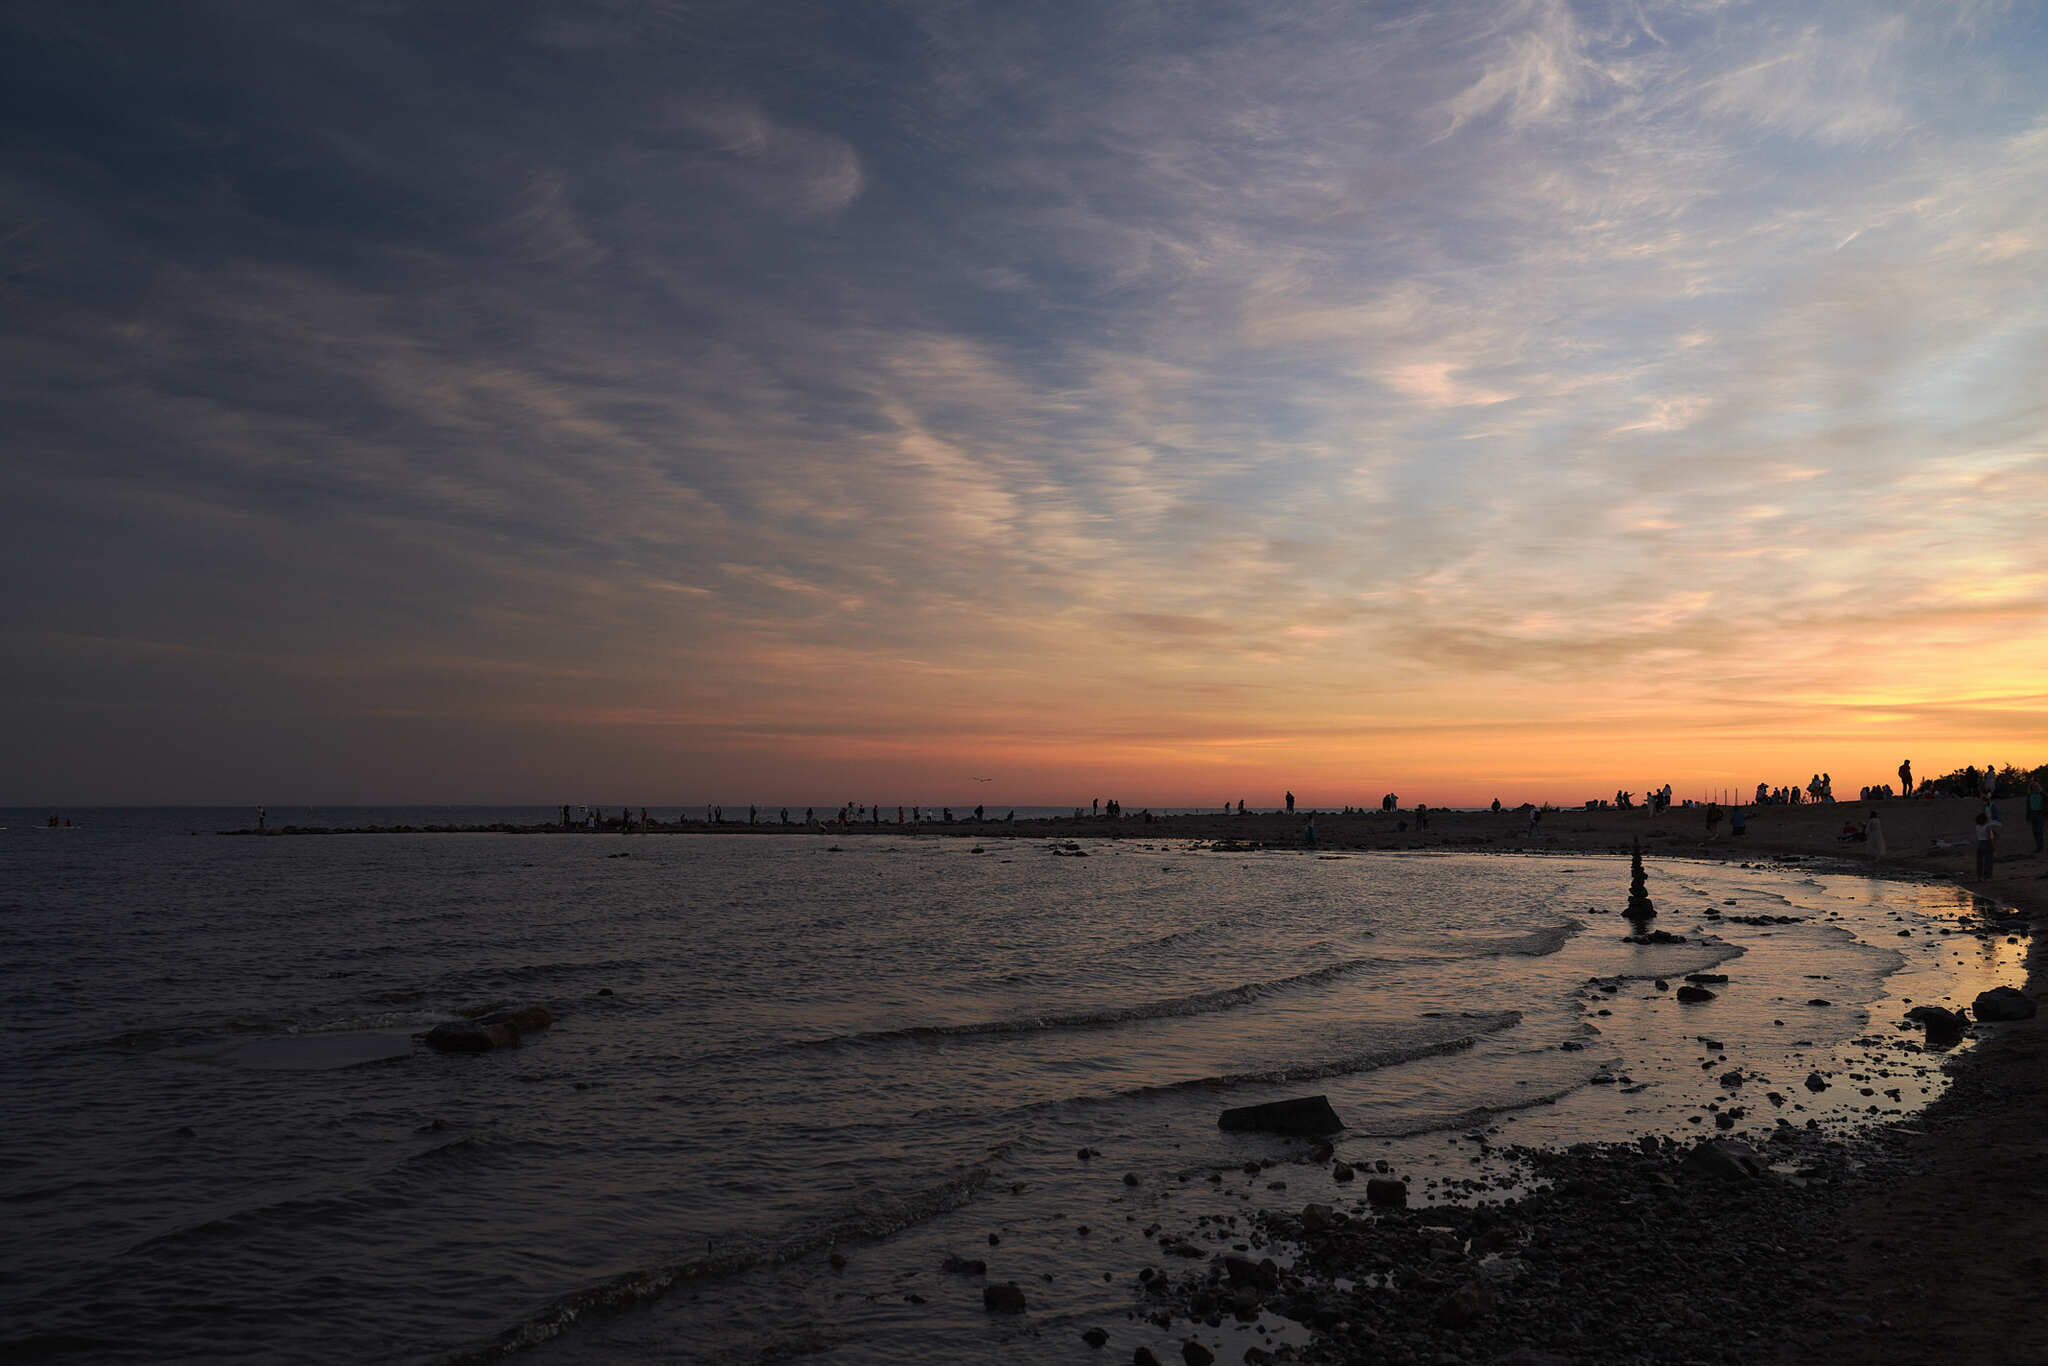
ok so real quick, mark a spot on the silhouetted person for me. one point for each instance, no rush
(1987, 844)
(1873, 834)
(259, 821)
(1290, 803)
(2037, 813)
(1905, 777)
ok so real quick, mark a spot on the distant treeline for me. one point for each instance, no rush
(1968, 781)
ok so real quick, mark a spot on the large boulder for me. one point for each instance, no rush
(499, 1029)
(1726, 1158)
(1944, 1027)
(2003, 1003)
(1305, 1116)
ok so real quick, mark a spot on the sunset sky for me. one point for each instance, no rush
(798, 402)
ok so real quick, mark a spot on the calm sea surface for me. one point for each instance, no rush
(221, 1143)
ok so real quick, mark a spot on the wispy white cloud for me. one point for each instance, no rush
(1514, 359)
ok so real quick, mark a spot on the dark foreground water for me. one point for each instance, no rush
(221, 1141)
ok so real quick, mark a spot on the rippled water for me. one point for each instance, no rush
(221, 1142)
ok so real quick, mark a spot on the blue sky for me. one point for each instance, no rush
(656, 402)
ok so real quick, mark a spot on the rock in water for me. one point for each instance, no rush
(1944, 1027)
(1306, 1116)
(1694, 995)
(471, 1036)
(499, 1029)
(2003, 1003)
(1006, 1298)
(1195, 1354)
(1386, 1193)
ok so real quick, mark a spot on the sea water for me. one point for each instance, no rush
(790, 1076)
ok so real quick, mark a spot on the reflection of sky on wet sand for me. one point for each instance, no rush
(1948, 957)
(1483, 398)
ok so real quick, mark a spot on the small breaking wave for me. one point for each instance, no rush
(1371, 1060)
(1537, 943)
(866, 1219)
(1172, 1007)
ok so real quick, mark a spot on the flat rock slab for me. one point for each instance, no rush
(1306, 1116)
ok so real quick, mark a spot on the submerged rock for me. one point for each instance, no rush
(1006, 1298)
(1307, 1116)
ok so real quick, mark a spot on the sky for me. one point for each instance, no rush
(803, 401)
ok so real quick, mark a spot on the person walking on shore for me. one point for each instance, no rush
(2037, 813)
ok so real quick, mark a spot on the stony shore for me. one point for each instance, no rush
(1921, 1242)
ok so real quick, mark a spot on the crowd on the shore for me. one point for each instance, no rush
(1986, 785)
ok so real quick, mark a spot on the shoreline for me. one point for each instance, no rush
(1911, 1242)
(1914, 1242)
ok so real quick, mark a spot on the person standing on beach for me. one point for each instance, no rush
(1987, 845)
(1990, 781)
(1873, 834)
(1905, 777)
(1290, 803)
(2037, 813)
